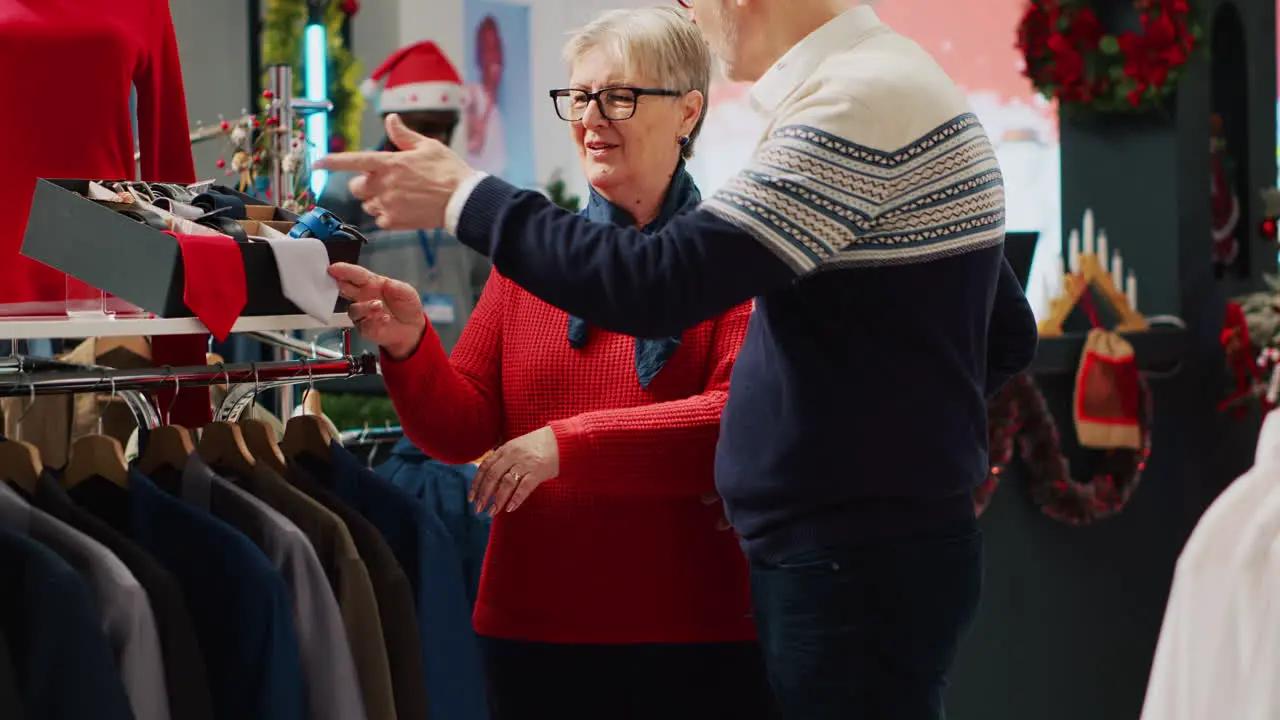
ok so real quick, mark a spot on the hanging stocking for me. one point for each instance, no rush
(1105, 406)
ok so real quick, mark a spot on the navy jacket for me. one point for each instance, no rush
(64, 666)
(442, 489)
(450, 652)
(238, 602)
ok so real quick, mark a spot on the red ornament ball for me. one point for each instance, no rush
(221, 163)
(267, 94)
(257, 159)
(350, 7)
(1268, 229)
(337, 144)
(224, 125)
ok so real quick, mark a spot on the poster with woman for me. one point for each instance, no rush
(973, 40)
(497, 66)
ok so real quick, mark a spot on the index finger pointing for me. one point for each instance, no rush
(360, 162)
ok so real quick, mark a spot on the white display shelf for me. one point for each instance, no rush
(75, 328)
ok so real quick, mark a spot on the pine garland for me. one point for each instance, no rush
(282, 38)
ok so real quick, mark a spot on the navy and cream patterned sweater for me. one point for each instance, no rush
(869, 227)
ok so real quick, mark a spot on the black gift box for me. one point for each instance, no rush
(130, 260)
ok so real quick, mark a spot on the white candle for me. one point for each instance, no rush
(1087, 231)
(1131, 290)
(1117, 270)
(1073, 252)
(1103, 256)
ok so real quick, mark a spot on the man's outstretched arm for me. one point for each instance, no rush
(613, 277)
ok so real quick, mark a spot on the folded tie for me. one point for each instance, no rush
(215, 288)
(304, 274)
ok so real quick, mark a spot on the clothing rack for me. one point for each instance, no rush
(23, 378)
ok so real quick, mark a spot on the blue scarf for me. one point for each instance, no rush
(682, 196)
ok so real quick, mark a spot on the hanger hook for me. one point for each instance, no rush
(31, 399)
(102, 409)
(168, 412)
(254, 366)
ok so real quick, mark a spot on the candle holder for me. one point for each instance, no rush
(1093, 275)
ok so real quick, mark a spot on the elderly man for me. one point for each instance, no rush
(868, 227)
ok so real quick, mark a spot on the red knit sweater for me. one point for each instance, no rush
(619, 548)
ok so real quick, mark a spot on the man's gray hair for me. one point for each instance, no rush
(656, 42)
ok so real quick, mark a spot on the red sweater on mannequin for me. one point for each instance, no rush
(620, 547)
(70, 67)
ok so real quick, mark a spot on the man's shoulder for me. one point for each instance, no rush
(884, 93)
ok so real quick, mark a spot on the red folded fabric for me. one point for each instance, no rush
(215, 288)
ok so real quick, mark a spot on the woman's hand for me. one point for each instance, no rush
(385, 311)
(511, 473)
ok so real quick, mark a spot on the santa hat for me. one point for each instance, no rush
(415, 77)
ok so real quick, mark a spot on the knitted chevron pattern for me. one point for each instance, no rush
(821, 200)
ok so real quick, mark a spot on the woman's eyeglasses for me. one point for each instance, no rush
(617, 103)
(685, 3)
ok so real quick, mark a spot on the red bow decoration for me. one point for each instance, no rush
(1238, 347)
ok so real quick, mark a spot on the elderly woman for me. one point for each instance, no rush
(609, 589)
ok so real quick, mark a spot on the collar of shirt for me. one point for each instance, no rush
(799, 63)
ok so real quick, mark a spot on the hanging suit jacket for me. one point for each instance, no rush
(450, 652)
(184, 668)
(394, 596)
(62, 661)
(238, 601)
(442, 489)
(348, 576)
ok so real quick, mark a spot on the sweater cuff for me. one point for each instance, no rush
(396, 372)
(458, 201)
(574, 446)
(479, 210)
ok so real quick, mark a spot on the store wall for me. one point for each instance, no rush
(213, 42)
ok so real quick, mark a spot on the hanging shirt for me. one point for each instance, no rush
(123, 606)
(55, 637)
(238, 601)
(442, 489)
(348, 576)
(74, 65)
(332, 689)
(184, 668)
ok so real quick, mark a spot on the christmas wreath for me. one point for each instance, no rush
(1071, 58)
(1019, 413)
(282, 28)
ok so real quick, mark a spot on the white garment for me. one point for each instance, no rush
(123, 605)
(1217, 602)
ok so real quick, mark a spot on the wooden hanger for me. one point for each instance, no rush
(135, 344)
(261, 440)
(307, 434)
(222, 445)
(96, 455)
(20, 463)
(167, 446)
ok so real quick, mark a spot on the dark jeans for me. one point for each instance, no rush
(869, 631)
(694, 681)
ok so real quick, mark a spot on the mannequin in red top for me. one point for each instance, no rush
(75, 62)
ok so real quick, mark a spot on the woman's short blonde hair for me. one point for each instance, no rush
(657, 42)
